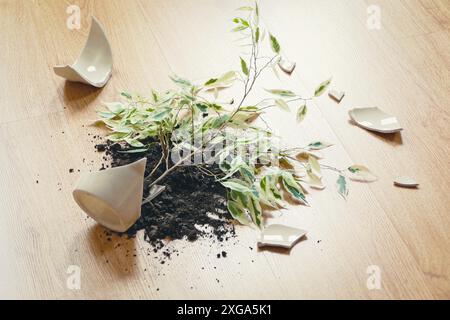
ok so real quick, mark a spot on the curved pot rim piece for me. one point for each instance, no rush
(98, 48)
(369, 124)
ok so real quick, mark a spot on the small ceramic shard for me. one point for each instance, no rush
(336, 95)
(406, 182)
(277, 235)
(113, 196)
(94, 65)
(287, 66)
(155, 191)
(374, 119)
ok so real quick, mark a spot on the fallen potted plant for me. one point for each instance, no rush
(191, 129)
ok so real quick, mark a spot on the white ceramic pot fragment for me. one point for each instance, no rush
(94, 65)
(287, 66)
(406, 182)
(336, 95)
(113, 197)
(374, 119)
(277, 235)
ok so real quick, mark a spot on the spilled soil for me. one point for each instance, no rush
(193, 205)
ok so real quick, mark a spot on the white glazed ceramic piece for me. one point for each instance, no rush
(277, 235)
(374, 119)
(406, 182)
(336, 95)
(94, 65)
(287, 66)
(113, 197)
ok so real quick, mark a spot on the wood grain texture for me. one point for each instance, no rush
(402, 68)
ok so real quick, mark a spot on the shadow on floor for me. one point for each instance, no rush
(117, 252)
(394, 139)
(78, 96)
(280, 250)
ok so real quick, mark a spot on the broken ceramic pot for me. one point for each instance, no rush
(406, 182)
(336, 95)
(94, 65)
(277, 235)
(374, 119)
(287, 66)
(113, 197)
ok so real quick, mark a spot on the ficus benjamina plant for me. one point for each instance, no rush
(256, 173)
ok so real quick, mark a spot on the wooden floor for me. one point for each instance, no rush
(403, 68)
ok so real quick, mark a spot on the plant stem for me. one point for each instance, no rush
(248, 86)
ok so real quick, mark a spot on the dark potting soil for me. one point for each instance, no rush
(192, 206)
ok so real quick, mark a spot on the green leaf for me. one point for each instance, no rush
(202, 107)
(282, 104)
(293, 187)
(361, 173)
(106, 114)
(342, 186)
(257, 35)
(126, 95)
(238, 212)
(122, 129)
(315, 181)
(115, 137)
(314, 166)
(134, 150)
(244, 67)
(281, 92)
(134, 143)
(236, 186)
(245, 117)
(155, 96)
(210, 81)
(255, 211)
(160, 115)
(263, 183)
(249, 108)
(115, 107)
(228, 77)
(321, 88)
(247, 173)
(245, 8)
(224, 80)
(318, 145)
(301, 113)
(244, 22)
(217, 122)
(295, 192)
(236, 164)
(270, 193)
(274, 68)
(274, 44)
(239, 28)
(181, 82)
